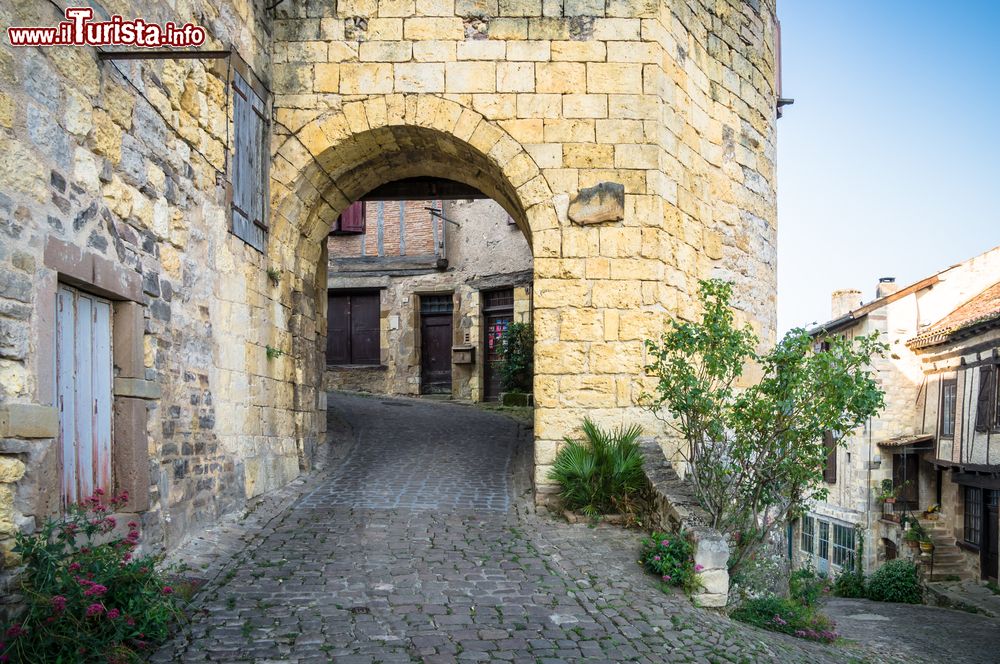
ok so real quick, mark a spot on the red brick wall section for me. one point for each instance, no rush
(419, 231)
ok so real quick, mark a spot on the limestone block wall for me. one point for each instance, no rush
(530, 102)
(125, 163)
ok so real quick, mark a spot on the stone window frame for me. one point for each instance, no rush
(131, 391)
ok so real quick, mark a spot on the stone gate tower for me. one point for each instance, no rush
(633, 142)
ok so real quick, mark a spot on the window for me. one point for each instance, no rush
(973, 514)
(843, 546)
(986, 401)
(830, 469)
(905, 479)
(808, 533)
(251, 156)
(83, 385)
(352, 335)
(352, 220)
(824, 540)
(949, 389)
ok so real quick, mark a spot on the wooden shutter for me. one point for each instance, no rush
(986, 398)
(365, 328)
(83, 387)
(338, 349)
(249, 177)
(830, 469)
(352, 220)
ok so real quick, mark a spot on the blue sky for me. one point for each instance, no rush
(889, 160)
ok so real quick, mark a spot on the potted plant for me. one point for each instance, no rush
(888, 493)
(926, 544)
(932, 512)
(913, 536)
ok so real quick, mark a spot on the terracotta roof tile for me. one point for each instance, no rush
(981, 308)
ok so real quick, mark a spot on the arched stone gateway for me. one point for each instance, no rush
(633, 141)
(633, 145)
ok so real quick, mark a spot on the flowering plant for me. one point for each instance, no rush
(671, 558)
(88, 597)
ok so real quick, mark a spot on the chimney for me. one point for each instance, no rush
(886, 286)
(844, 301)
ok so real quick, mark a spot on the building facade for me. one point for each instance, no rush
(419, 299)
(182, 206)
(923, 449)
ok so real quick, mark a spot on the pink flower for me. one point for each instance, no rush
(98, 491)
(698, 568)
(95, 589)
(665, 543)
(111, 521)
(666, 577)
(130, 621)
(167, 590)
(113, 613)
(95, 610)
(656, 558)
(133, 525)
(15, 631)
(58, 603)
(74, 567)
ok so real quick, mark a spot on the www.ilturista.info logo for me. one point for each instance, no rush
(79, 30)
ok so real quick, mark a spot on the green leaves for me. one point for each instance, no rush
(517, 348)
(756, 454)
(601, 475)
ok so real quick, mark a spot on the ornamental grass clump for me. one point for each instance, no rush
(671, 559)
(88, 596)
(602, 474)
(779, 614)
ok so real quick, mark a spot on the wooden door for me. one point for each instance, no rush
(498, 312)
(435, 344)
(83, 388)
(988, 553)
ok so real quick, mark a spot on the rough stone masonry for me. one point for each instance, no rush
(115, 180)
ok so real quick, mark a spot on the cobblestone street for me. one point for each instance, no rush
(419, 546)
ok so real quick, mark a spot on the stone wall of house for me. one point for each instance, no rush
(484, 252)
(113, 178)
(532, 102)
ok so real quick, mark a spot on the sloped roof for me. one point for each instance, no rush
(983, 308)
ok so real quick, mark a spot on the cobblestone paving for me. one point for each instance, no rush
(437, 569)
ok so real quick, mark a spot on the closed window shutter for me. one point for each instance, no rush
(249, 179)
(352, 220)
(986, 398)
(338, 348)
(830, 469)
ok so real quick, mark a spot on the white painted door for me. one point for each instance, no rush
(83, 383)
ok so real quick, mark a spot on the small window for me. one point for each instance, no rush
(830, 469)
(436, 304)
(987, 399)
(251, 157)
(973, 515)
(949, 390)
(843, 546)
(353, 333)
(824, 540)
(808, 534)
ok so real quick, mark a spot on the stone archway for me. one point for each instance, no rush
(340, 157)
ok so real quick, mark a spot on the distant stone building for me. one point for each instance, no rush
(164, 221)
(417, 301)
(936, 443)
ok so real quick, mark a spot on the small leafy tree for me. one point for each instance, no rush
(755, 455)
(517, 350)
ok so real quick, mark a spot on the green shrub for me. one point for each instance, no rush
(603, 474)
(850, 584)
(88, 597)
(786, 616)
(895, 581)
(671, 558)
(806, 586)
(517, 352)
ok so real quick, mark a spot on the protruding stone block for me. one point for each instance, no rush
(603, 202)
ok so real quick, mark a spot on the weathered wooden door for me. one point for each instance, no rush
(989, 554)
(498, 312)
(83, 386)
(435, 343)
